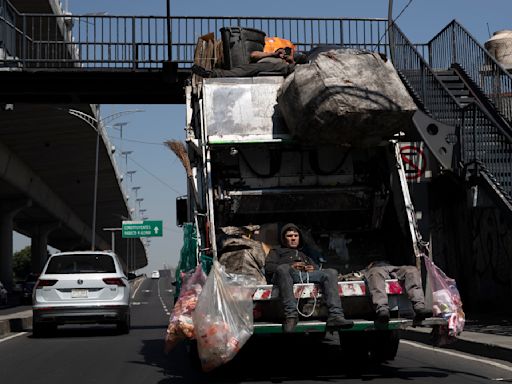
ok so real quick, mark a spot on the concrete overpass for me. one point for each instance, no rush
(47, 169)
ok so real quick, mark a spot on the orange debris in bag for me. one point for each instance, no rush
(272, 44)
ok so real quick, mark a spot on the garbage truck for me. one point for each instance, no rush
(249, 173)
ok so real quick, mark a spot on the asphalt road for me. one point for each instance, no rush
(97, 354)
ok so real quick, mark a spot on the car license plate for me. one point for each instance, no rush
(79, 293)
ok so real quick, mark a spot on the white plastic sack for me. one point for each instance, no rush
(223, 319)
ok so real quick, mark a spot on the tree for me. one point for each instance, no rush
(21, 263)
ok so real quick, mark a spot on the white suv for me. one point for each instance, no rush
(81, 287)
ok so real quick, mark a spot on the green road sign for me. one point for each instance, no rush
(150, 228)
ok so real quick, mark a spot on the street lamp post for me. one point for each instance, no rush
(139, 200)
(96, 125)
(136, 190)
(113, 237)
(126, 154)
(120, 127)
(130, 173)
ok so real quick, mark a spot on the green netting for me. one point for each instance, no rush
(206, 263)
(188, 253)
(188, 260)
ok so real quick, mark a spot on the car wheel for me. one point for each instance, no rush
(123, 327)
(43, 329)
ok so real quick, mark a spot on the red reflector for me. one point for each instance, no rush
(45, 283)
(114, 281)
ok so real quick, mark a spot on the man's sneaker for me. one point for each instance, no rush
(422, 313)
(382, 316)
(338, 321)
(200, 71)
(289, 324)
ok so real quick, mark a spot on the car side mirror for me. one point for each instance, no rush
(131, 275)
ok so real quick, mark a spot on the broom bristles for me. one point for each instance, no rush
(181, 152)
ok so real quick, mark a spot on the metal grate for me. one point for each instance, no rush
(140, 42)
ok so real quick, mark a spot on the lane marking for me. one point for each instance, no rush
(458, 354)
(137, 289)
(162, 300)
(139, 302)
(13, 336)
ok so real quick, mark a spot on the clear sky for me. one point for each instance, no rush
(159, 174)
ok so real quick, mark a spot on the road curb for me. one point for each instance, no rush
(464, 344)
(15, 324)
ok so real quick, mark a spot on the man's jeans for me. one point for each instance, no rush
(285, 276)
(376, 279)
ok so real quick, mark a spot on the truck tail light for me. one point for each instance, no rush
(45, 283)
(114, 281)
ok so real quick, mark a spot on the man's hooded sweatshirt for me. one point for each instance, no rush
(284, 255)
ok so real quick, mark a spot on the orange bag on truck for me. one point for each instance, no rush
(272, 44)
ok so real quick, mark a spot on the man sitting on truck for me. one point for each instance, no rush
(287, 265)
(376, 274)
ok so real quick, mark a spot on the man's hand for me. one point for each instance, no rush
(281, 53)
(302, 266)
(299, 266)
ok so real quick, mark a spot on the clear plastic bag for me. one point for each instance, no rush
(223, 318)
(180, 323)
(446, 303)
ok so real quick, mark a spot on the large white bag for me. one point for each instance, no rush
(345, 96)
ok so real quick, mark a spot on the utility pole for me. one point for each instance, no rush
(169, 32)
(391, 38)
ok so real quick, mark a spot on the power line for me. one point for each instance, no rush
(394, 21)
(138, 141)
(156, 177)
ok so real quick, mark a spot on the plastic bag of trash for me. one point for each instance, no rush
(446, 303)
(345, 96)
(223, 318)
(181, 325)
(241, 254)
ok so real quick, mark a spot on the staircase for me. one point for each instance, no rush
(452, 81)
(450, 94)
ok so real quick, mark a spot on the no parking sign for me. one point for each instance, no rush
(414, 160)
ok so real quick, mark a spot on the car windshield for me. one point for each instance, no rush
(83, 263)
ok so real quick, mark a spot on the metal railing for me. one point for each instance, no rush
(454, 44)
(484, 146)
(101, 41)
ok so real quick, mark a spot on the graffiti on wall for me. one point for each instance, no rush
(474, 246)
(492, 245)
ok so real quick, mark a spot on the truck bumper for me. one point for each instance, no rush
(359, 325)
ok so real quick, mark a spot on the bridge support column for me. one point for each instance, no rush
(8, 209)
(39, 245)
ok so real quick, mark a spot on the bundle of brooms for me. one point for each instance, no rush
(180, 151)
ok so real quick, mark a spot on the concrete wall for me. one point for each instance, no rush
(473, 245)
